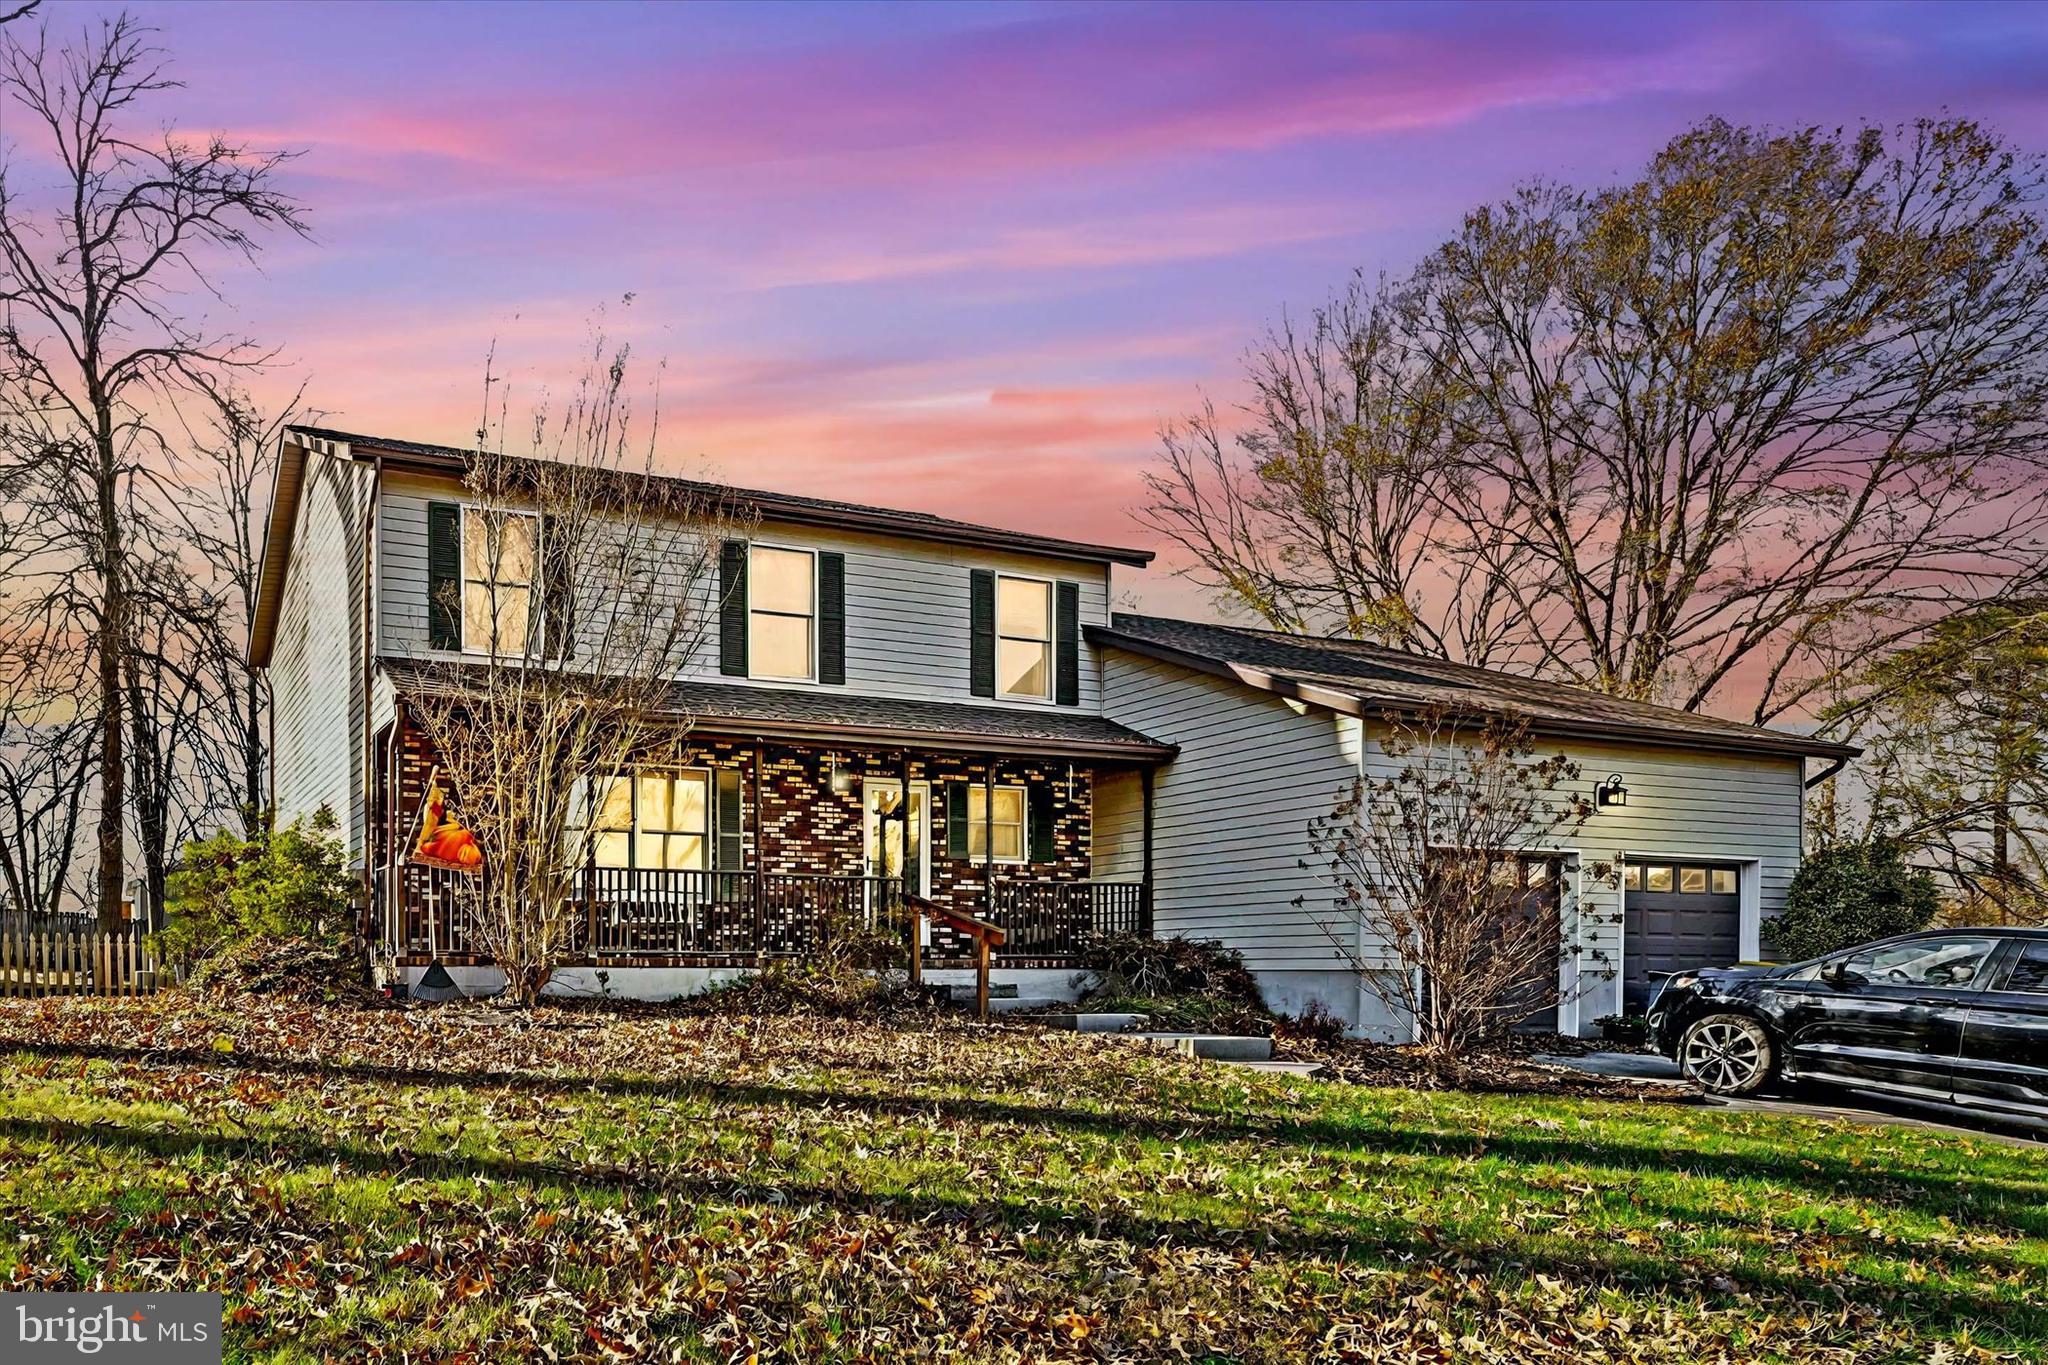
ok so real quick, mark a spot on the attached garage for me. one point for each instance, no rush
(1701, 815)
(1676, 916)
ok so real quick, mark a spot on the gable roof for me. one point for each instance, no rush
(1360, 679)
(788, 508)
(828, 715)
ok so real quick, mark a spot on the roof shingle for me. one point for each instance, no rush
(1380, 678)
(834, 715)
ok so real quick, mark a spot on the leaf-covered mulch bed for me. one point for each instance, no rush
(476, 1185)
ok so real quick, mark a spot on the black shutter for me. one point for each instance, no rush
(731, 855)
(831, 618)
(981, 623)
(956, 820)
(1038, 803)
(557, 596)
(1067, 638)
(444, 575)
(732, 608)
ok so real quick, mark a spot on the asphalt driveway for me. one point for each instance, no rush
(1809, 1102)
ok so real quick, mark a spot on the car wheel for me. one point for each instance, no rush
(1728, 1054)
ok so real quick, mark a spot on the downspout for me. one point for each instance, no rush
(1825, 773)
(370, 776)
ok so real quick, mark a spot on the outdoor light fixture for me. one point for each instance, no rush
(1610, 793)
(842, 781)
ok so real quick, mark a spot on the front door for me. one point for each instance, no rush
(1891, 1016)
(2004, 1060)
(892, 845)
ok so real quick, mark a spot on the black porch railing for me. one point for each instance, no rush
(623, 914)
(1054, 918)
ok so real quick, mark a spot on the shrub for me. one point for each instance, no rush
(1315, 1024)
(1131, 966)
(1851, 894)
(292, 883)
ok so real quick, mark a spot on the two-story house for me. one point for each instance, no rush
(895, 703)
(889, 701)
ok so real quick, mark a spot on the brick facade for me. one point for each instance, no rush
(798, 824)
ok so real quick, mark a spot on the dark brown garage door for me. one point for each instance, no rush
(1676, 916)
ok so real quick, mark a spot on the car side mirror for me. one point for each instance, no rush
(1841, 977)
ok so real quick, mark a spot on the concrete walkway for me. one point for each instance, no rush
(1633, 1066)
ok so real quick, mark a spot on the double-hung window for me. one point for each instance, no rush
(1023, 637)
(782, 611)
(1006, 827)
(655, 819)
(499, 552)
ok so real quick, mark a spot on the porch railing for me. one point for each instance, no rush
(1054, 918)
(621, 914)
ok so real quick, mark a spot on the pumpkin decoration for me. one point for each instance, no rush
(443, 842)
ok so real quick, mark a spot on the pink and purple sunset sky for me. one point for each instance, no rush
(959, 257)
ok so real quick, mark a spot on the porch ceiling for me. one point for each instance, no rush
(834, 716)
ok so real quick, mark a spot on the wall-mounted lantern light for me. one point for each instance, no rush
(1610, 793)
(842, 780)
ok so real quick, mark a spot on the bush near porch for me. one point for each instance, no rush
(598, 1184)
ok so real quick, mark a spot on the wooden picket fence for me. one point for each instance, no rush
(39, 961)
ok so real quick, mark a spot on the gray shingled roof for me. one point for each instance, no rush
(1373, 677)
(794, 507)
(834, 715)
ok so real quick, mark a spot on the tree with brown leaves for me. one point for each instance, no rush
(1777, 402)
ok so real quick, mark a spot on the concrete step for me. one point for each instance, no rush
(1215, 1047)
(1101, 1021)
(1281, 1068)
(963, 992)
(1004, 1004)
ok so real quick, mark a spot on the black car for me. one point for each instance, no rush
(1955, 1017)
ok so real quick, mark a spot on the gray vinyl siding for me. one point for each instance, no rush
(316, 664)
(906, 601)
(1682, 804)
(1230, 814)
(1116, 833)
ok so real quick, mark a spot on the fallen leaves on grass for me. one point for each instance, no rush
(592, 1184)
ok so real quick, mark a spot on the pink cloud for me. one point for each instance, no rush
(989, 103)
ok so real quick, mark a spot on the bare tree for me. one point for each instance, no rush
(1448, 888)
(92, 347)
(238, 447)
(170, 703)
(1325, 511)
(1776, 402)
(587, 582)
(1956, 770)
(45, 760)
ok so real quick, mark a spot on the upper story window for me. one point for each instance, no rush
(1023, 637)
(782, 609)
(498, 559)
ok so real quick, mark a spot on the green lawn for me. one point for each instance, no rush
(460, 1186)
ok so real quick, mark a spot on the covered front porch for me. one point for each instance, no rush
(752, 848)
